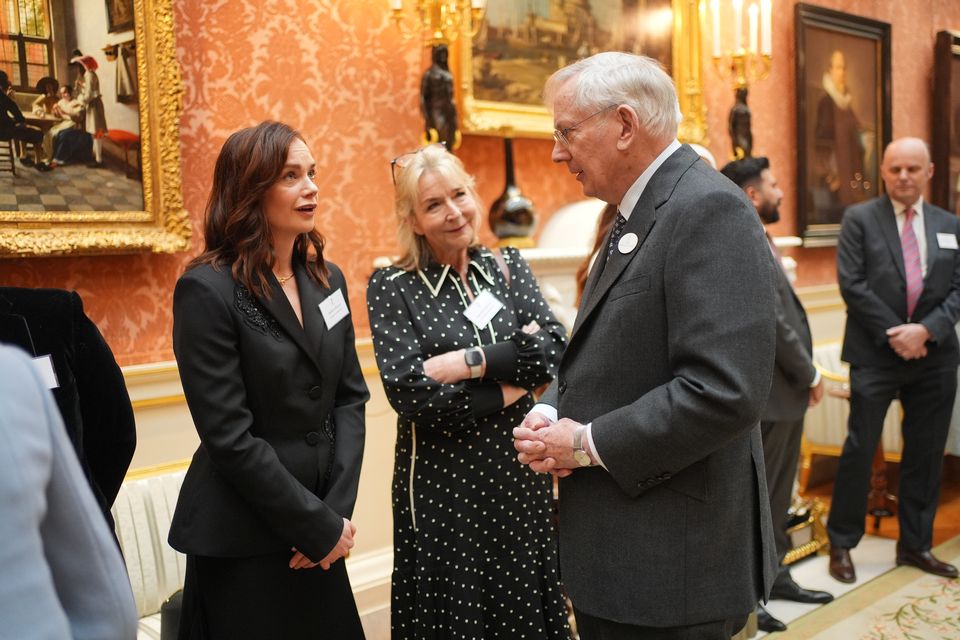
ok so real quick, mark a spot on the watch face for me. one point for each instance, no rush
(473, 357)
(582, 458)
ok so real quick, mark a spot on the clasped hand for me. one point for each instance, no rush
(909, 341)
(547, 447)
(340, 550)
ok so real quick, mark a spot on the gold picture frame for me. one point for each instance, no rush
(163, 226)
(502, 118)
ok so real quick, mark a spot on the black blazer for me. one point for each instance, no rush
(793, 369)
(280, 413)
(873, 284)
(92, 396)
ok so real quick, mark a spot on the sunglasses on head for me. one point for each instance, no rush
(403, 160)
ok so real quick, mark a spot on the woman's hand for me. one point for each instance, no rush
(340, 550)
(449, 367)
(511, 393)
(530, 328)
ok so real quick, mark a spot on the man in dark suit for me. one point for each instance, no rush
(796, 384)
(899, 270)
(653, 420)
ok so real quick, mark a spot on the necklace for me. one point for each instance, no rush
(282, 279)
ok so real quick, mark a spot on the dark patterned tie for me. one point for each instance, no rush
(615, 236)
(911, 262)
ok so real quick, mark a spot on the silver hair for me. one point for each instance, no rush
(614, 77)
(414, 248)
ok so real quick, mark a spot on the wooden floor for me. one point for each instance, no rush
(945, 526)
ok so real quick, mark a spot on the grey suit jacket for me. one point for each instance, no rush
(671, 359)
(873, 284)
(62, 574)
(793, 369)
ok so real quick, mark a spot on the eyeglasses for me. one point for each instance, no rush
(403, 160)
(562, 135)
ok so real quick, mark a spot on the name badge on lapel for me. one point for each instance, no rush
(947, 241)
(334, 309)
(483, 308)
(43, 365)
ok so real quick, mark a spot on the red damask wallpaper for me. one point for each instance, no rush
(338, 71)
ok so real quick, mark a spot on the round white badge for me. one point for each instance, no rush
(628, 243)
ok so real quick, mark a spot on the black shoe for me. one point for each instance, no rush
(766, 622)
(787, 589)
(27, 162)
(42, 166)
(94, 165)
(925, 561)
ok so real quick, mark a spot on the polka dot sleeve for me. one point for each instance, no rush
(411, 393)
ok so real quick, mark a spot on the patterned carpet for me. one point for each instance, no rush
(901, 604)
(70, 188)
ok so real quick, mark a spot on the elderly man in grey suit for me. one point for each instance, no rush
(796, 385)
(62, 575)
(653, 420)
(898, 265)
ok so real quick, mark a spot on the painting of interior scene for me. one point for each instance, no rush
(523, 42)
(69, 118)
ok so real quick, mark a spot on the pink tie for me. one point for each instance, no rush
(911, 262)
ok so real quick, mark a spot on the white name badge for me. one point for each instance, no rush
(483, 308)
(947, 241)
(334, 309)
(44, 367)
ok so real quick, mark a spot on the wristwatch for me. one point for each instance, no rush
(581, 456)
(474, 359)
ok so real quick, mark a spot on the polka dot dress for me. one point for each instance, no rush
(475, 551)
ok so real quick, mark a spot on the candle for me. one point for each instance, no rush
(737, 26)
(715, 11)
(476, 4)
(752, 15)
(766, 45)
(395, 4)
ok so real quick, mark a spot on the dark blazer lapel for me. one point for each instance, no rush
(311, 295)
(644, 214)
(888, 228)
(279, 307)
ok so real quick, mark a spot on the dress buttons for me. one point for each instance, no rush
(313, 438)
(315, 393)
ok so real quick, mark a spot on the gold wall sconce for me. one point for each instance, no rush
(744, 57)
(437, 21)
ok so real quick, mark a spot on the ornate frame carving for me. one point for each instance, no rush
(486, 117)
(163, 226)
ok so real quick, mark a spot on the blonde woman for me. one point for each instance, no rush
(461, 339)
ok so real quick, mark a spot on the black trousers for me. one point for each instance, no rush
(591, 628)
(781, 454)
(927, 395)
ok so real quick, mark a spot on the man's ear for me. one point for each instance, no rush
(754, 194)
(629, 125)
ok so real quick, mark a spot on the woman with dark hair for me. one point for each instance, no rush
(462, 336)
(265, 346)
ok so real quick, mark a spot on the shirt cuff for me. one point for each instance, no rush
(593, 447)
(501, 360)
(485, 398)
(816, 378)
(545, 409)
